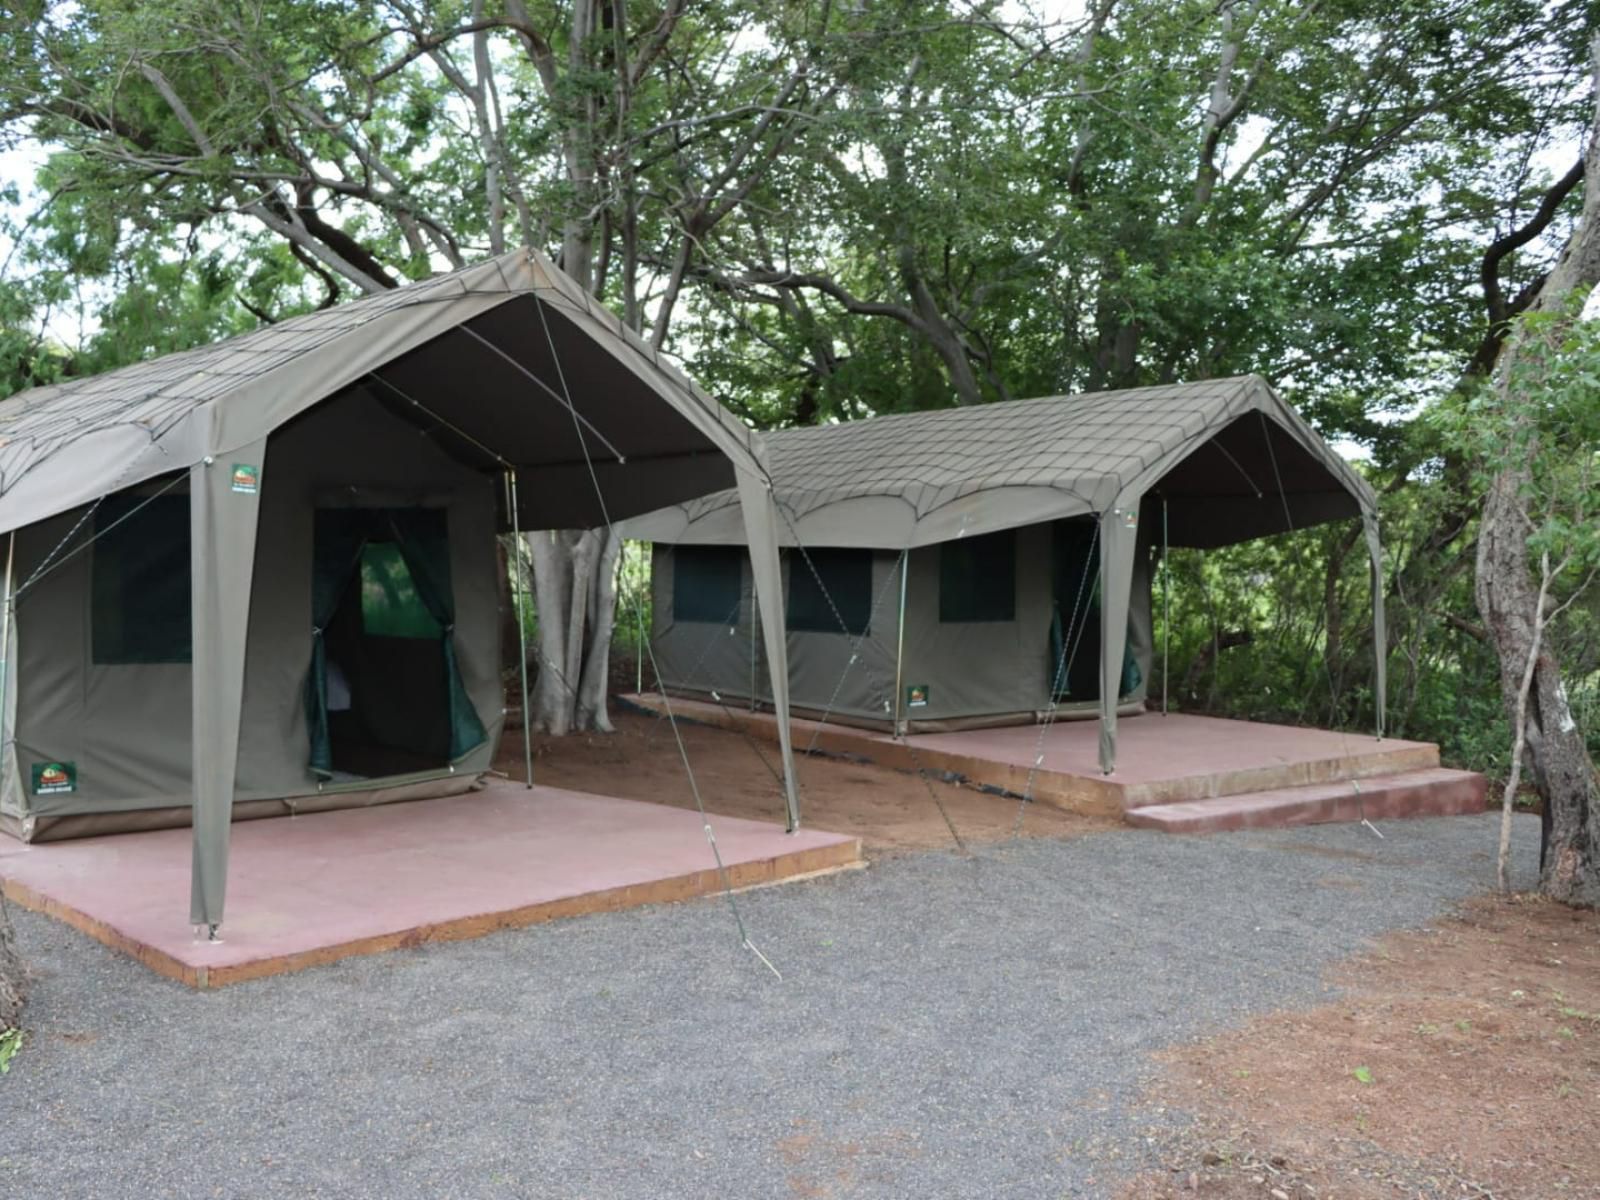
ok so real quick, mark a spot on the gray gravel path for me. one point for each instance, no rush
(945, 1027)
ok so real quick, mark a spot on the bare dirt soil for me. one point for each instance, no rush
(888, 810)
(1459, 1061)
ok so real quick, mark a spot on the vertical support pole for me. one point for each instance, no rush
(900, 650)
(1380, 634)
(1166, 607)
(5, 660)
(522, 629)
(638, 612)
(755, 630)
(224, 506)
(760, 513)
(1119, 535)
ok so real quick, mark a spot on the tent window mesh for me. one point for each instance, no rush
(846, 581)
(390, 603)
(706, 584)
(978, 578)
(139, 589)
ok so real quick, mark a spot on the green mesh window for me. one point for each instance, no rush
(706, 583)
(846, 581)
(390, 604)
(978, 578)
(139, 580)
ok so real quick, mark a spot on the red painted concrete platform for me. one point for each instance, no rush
(1437, 792)
(312, 889)
(1160, 759)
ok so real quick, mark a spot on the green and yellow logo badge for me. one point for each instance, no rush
(917, 696)
(246, 478)
(54, 778)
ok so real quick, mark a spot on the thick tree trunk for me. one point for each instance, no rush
(574, 578)
(592, 686)
(13, 978)
(1510, 601)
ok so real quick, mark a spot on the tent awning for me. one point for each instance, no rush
(483, 359)
(1231, 458)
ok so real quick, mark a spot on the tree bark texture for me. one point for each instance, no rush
(575, 591)
(1510, 600)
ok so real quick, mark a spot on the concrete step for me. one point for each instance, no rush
(1433, 792)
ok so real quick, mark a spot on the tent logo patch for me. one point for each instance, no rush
(54, 778)
(246, 478)
(917, 696)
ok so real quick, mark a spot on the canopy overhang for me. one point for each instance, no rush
(1230, 457)
(507, 363)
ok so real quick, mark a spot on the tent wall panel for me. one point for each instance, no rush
(983, 668)
(821, 675)
(702, 656)
(125, 728)
(697, 657)
(975, 673)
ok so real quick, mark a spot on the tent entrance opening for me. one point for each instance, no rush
(1075, 628)
(385, 695)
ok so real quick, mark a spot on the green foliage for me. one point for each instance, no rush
(10, 1047)
(1543, 425)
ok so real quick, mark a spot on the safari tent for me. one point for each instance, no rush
(990, 564)
(260, 577)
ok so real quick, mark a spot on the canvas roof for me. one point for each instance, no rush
(1232, 459)
(481, 358)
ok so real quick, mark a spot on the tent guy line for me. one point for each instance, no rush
(677, 734)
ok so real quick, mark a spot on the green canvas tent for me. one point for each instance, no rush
(988, 564)
(260, 576)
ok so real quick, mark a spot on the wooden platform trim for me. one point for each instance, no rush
(760, 872)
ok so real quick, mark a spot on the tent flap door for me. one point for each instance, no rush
(383, 654)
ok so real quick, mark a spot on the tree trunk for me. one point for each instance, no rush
(574, 581)
(592, 686)
(1510, 602)
(13, 978)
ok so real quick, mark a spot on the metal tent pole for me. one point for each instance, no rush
(1380, 632)
(522, 629)
(900, 648)
(5, 652)
(1166, 607)
(638, 612)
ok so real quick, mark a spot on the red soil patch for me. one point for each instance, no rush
(1461, 1061)
(888, 810)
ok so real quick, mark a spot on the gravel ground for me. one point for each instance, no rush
(945, 1026)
